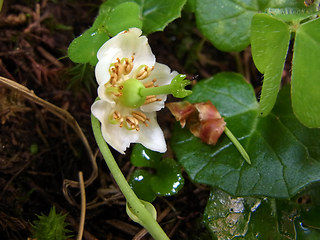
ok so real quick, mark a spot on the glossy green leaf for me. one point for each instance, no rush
(306, 74)
(226, 24)
(140, 182)
(285, 155)
(144, 157)
(168, 179)
(155, 15)
(227, 217)
(270, 39)
(122, 17)
(160, 177)
(118, 15)
(84, 48)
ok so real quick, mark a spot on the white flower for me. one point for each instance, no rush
(126, 118)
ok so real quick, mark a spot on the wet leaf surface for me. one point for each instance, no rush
(283, 152)
(229, 217)
(160, 177)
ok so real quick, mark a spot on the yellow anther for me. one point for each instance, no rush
(141, 117)
(144, 73)
(128, 65)
(132, 122)
(148, 85)
(113, 79)
(151, 99)
(116, 115)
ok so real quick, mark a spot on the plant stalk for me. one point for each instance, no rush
(238, 145)
(138, 208)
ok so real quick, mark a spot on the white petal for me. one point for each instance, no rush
(123, 39)
(164, 76)
(152, 136)
(116, 137)
(124, 45)
(100, 109)
(103, 96)
(162, 73)
(103, 65)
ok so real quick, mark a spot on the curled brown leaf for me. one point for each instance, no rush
(203, 119)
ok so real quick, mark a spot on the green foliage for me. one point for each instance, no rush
(165, 180)
(270, 40)
(51, 227)
(118, 15)
(231, 25)
(306, 73)
(124, 16)
(84, 48)
(269, 43)
(228, 217)
(227, 23)
(284, 153)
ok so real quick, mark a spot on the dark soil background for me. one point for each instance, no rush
(39, 151)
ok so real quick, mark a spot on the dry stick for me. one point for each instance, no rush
(83, 206)
(65, 116)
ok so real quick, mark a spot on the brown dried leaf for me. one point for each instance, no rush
(203, 119)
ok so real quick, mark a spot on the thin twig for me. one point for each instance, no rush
(83, 206)
(65, 116)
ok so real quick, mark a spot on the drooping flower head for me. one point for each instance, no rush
(132, 87)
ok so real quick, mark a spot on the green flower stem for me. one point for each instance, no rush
(137, 207)
(165, 89)
(236, 143)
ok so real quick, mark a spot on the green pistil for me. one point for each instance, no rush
(166, 89)
(176, 88)
(134, 93)
(131, 93)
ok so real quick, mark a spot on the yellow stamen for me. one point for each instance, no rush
(116, 115)
(148, 85)
(141, 117)
(144, 73)
(128, 65)
(151, 99)
(132, 122)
